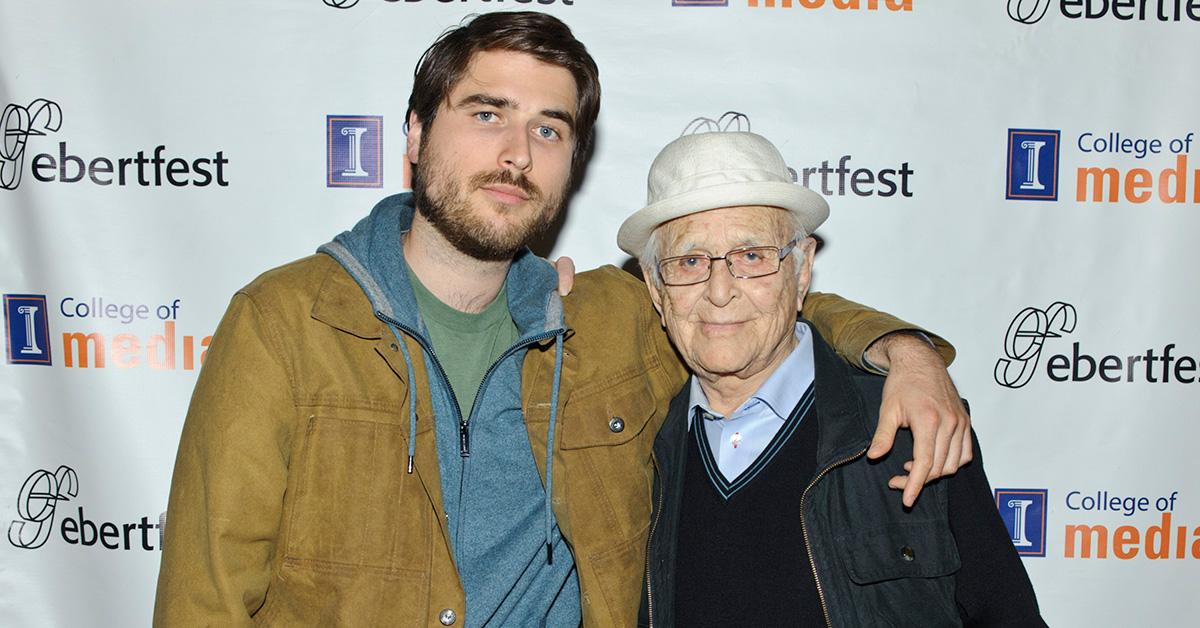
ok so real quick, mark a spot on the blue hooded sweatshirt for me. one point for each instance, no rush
(513, 563)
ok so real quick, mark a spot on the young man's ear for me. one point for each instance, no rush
(412, 149)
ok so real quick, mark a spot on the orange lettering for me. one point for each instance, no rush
(81, 342)
(1134, 179)
(1100, 176)
(841, 5)
(1125, 541)
(165, 359)
(1163, 534)
(187, 353)
(1085, 534)
(125, 349)
(1179, 172)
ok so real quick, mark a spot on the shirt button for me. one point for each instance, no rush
(616, 425)
(393, 347)
(908, 554)
(447, 617)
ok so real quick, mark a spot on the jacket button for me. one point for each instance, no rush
(616, 424)
(447, 617)
(908, 554)
(394, 347)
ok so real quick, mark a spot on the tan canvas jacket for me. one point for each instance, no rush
(291, 505)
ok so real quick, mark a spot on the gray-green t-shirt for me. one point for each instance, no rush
(465, 344)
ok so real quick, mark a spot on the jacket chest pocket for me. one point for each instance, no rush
(353, 504)
(901, 550)
(606, 437)
(889, 567)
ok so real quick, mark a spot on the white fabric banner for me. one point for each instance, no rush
(1021, 177)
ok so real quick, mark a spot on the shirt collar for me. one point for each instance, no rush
(782, 390)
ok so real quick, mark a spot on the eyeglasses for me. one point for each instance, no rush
(743, 263)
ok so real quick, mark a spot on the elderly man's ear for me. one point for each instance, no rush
(648, 275)
(808, 248)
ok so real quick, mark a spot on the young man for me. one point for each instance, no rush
(368, 440)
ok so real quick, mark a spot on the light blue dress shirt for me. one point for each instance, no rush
(738, 440)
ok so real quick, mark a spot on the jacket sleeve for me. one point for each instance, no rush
(992, 588)
(230, 472)
(850, 328)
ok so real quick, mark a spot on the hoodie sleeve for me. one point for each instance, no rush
(230, 473)
(850, 328)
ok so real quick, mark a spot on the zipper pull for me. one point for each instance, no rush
(464, 440)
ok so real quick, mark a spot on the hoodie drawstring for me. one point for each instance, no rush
(412, 405)
(558, 360)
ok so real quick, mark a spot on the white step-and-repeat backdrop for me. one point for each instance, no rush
(1022, 177)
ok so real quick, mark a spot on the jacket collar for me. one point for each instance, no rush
(842, 418)
(341, 304)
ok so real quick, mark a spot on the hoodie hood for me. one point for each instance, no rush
(373, 255)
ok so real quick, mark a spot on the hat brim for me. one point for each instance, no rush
(808, 206)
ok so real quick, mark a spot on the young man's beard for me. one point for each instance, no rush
(447, 206)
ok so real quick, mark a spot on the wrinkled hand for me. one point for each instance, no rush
(919, 395)
(566, 275)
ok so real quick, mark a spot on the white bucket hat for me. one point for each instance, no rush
(716, 169)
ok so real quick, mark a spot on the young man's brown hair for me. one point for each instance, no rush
(542, 36)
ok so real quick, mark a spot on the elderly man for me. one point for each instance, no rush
(767, 510)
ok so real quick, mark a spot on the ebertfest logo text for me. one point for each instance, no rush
(1032, 11)
(1030, 330)
(37, 505)
(154, 167)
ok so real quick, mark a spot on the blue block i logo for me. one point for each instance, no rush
(1024, 513)
(354, 151)
(1032, 173)
(27, 329)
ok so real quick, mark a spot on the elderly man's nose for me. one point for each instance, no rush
(721, 286)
